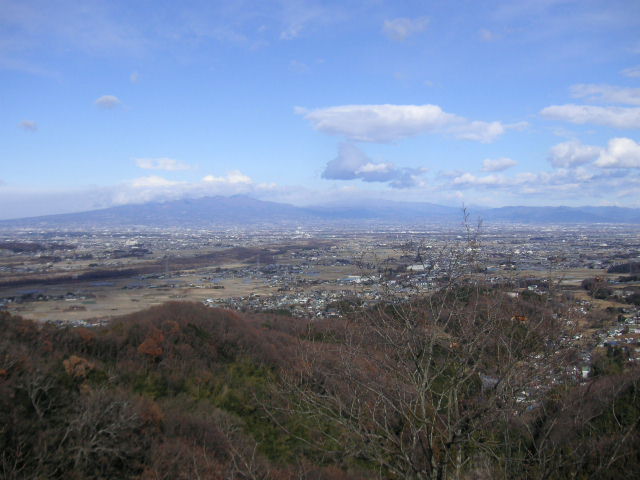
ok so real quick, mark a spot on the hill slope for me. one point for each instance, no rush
(182, 391)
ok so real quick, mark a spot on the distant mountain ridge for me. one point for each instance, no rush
(564, 214)
(241, 210)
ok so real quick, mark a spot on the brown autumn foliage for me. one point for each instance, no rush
(184, 391)
(77, 367)
(152, 345)
(93, 406)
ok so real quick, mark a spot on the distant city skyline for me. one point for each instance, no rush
(494, 103)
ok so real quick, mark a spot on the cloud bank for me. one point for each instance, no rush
(353, 164)
(618, 117)
(387, 123)
(572, 154)
(234, 177)
(606, 93)
(620, 152)
(497, 164)
(157, 188)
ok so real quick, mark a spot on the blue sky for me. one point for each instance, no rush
(483, 102)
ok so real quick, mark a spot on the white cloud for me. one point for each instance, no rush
(401, 28)
(28, 125)
(572, 153)
(484, 132)
(498, 164)
(620, 153)
(234, 177)
(375, 168)
(162, 163)
(152, 181)
(353, 164)
(156, 188)
(471, 179)
(350, 158)
(619, 117)
(633, 72)
(409, 178)
(386, 123)
(378, 123)
(558, 179)
(108, 101)
(606, 93)
(576, 185)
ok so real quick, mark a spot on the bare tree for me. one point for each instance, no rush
(413, 387)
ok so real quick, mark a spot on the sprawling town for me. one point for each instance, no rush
(86, 278)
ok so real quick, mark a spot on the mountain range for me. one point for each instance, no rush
(241, 210)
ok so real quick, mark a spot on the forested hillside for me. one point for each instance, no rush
(428, 389)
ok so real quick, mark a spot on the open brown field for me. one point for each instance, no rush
(109, 301)
(100, 293)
